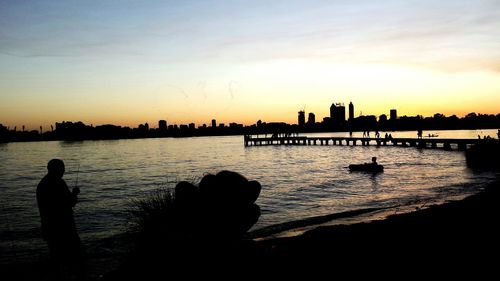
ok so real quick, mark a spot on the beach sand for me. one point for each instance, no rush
(462, 234)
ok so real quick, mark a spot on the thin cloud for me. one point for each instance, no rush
(232, 86)
(179, 90)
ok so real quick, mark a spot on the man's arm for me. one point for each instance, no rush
(71, 195)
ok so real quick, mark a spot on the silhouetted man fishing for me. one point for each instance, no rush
(55, 204)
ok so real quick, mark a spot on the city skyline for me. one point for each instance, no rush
(129, 63)
(340, 118)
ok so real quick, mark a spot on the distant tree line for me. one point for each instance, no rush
(81, 131)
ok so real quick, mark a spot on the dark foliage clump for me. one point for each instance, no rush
(193, 224)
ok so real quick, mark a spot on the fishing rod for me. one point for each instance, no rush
(77, 171)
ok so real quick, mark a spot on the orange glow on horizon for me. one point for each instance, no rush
(273, 92)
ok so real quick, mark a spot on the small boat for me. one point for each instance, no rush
(366, 167)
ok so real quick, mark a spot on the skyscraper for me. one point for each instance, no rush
(351, 111)
(394, 114)
(311, 120)
(337, 113)
(302, 118)
(162, 125)
(214, 123)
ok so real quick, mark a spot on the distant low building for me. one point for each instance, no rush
(144, 127)
(235, 126)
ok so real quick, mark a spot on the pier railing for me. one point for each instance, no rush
(447, 144)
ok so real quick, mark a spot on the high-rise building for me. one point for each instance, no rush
(337, 113)
(214, 123)
(302, 118)
(394, 114)
(162, 125)
(311, 119)
(351, 111)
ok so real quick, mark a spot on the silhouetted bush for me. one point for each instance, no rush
(184, 229)
(153, 214)
(222, 206)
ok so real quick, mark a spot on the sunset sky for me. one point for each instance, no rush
(130, 62)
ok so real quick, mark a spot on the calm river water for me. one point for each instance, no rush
(298, 181)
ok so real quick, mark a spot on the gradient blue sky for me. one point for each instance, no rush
(130, 62)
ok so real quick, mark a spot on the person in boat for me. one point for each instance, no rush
(373, 163)
(55, 205)
(367, 167)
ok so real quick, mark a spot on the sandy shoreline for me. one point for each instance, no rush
(454, 231)
(465, 231)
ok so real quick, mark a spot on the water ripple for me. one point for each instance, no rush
(298, 181)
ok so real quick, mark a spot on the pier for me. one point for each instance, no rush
(447, 144)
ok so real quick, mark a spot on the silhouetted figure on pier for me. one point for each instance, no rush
(419, 133)
(55, 204)
(498, 134)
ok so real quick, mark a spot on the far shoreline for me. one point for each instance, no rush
(41, 139)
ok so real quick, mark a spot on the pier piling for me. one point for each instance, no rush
(447, 144)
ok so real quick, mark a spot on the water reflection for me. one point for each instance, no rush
(297, 181)
(374, 181)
